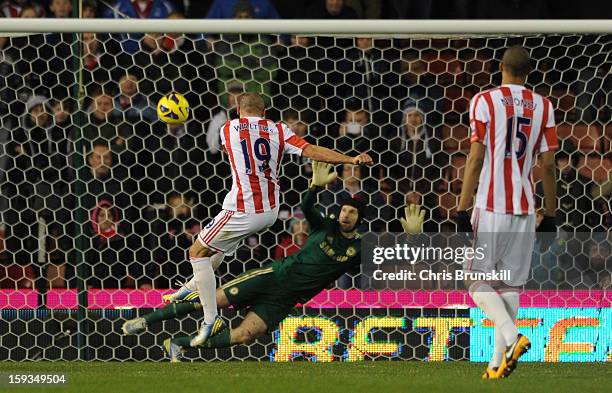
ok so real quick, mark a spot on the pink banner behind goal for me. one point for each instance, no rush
(333, 298)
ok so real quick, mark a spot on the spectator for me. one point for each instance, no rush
(298, 234)
(301, 82)
(173, 231)
(29, 11)
(247, 59)
(55, 271)
(104, 121)
(105, 179)
(226, 9)
(157, 44)
(574, 192)
(600, 262)
(15, 9)
(61, 8)
(137, 9)
(355, 130)
(134, 105)
(89, 9)
(62, 112)
(383, 205)
(292, 119)
(368, 76)
(419, 85)
(15, 276)
(91, 51)
(366, 9)
(227, 104)
(331, 9)
(111, 254)
(415, 148)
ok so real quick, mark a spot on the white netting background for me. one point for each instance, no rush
(144, 189)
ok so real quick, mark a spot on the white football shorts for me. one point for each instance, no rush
(226, 230)
(507, 240)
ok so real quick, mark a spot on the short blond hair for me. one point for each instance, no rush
(251, 103)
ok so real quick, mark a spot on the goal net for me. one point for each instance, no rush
(100, 200)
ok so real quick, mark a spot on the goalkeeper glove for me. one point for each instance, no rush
(548, 232)
(548, 224)
(463, 222)
(322, 174)
(413, 221)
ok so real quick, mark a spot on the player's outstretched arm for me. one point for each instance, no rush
(323, 154)
(470, 181)
(412, 222)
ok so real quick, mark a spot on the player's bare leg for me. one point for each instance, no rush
(206, 283)
(251, 328)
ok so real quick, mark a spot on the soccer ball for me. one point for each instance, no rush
(173, 109)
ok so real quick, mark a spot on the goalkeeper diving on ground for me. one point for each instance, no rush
(271, 292)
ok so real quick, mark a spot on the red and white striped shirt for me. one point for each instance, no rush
(255, 147)
(515, 124)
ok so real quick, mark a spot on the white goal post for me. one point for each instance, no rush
(534, 26)
(99, 199)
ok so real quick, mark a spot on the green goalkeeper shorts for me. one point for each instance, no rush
(259, 291)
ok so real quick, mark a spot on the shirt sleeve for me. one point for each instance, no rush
(293, 144)
(222, 136)
(479, 118)
(313, 215)
(549, 130)
(214, 137)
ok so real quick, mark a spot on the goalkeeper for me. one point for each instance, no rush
(272, 291)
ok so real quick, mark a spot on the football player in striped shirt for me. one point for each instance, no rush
(511, 127)
(271, 292)
(255, 147)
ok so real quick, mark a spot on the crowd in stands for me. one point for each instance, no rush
(132, 192)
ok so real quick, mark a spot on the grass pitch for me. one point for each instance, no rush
(253, 377)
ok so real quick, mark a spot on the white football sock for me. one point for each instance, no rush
(206, 283)
(511, 300)
(191, 284)
(499, 347)
(215, 261)
(492, 304)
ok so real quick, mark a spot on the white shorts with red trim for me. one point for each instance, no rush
(507, 242)
(225, 232)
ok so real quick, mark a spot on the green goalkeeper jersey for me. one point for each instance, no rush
(325, 257)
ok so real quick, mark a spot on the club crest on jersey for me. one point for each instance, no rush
(234, 291)
(210, 223)
(351, 252)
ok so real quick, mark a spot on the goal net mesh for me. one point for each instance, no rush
(100, 200)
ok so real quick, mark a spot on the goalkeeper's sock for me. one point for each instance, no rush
(207, 286)
(219, 340)
(511, 301)
(492, 304)
(172, 310)
(182, 341)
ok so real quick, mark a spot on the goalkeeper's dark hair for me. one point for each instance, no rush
(358, 204)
